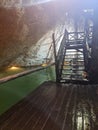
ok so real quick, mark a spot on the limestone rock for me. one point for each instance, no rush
(22, 26)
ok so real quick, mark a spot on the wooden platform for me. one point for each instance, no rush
(55, 107)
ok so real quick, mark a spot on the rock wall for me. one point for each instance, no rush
(23, 24)
(42, 52)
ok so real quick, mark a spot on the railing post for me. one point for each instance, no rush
(54, 47)
(55, 57)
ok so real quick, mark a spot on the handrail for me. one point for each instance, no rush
(59, 57)
(51, 46)
(87, 50)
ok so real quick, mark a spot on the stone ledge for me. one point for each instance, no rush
(8, 78)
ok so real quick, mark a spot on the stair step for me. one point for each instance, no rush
(73, 57)
(73, 69)
(74, 43)
(71, 80)
(73, 65)
(73, 60)
(74, 47)
(74, 80)
(72, 74)
(74, 51)
(72, 77)
(76, 40)
(75, 54)
(69, 60)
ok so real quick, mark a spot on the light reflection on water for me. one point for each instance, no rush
(85, 116)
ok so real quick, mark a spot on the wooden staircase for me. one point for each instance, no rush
(72, 58)
(73, 65)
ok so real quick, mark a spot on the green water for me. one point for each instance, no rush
(13, 91)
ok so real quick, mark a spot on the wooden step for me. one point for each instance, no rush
(71, 64)
(70, 60)
(72, 74)
(83, 81)
(71, 69)
(75, 54)
(80, 58)
(75, 47)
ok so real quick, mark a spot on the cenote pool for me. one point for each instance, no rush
(15, 89)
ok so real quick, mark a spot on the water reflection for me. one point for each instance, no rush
(84, 116)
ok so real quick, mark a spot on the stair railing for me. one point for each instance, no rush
(87, 47)
(59, 57)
